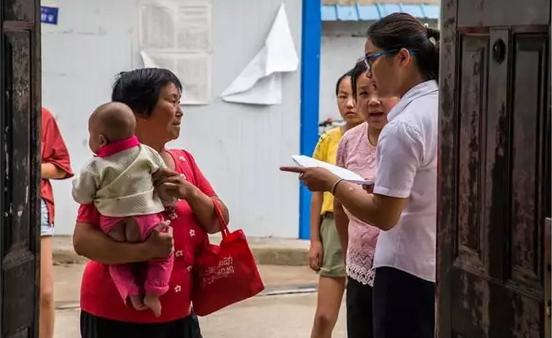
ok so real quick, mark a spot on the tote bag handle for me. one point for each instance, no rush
(217, 205)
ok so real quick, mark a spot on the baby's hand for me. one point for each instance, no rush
(170, 184)
(168, 201)
(160, 177)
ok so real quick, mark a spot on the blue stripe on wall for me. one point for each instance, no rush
(310, 81)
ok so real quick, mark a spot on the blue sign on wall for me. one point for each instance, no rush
(49, 15)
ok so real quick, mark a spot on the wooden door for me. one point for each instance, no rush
(19, 166)
(494, 169)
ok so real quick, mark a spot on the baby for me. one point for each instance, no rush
(119, 182)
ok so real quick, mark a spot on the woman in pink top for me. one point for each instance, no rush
(357, 152)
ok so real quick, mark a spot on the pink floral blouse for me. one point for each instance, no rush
(357, 154)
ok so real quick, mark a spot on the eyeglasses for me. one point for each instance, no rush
(369, 59)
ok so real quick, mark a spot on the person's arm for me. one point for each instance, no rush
(341, 218)
(51, 171)
(85, 186)
(315, 216)
(56, 162)
(171, 183)
(89, 241)
(400, 151)
(400, 154)
(316, 250)
(203, 208)
(341, 224)
(378, 210)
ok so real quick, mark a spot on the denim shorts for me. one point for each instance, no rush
(46, 228)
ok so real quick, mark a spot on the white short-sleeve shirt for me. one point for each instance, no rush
(407, 168)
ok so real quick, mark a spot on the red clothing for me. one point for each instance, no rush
(158, 270)
(54, 151)
(118, 146)
(153, 276)
(99, 295)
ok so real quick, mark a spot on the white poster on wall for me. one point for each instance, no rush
(193, 70)
(176, 34)
(260, 82)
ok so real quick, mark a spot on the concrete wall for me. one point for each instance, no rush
(239, 147)
(342, 44)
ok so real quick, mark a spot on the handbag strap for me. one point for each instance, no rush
(217, 205)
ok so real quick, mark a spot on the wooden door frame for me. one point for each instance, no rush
(548, 225)
(446, 171)
(28, 22)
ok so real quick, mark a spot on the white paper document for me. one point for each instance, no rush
(175, 25)
(260, 82)
(347, 175)
(176, 35)
(193, 70)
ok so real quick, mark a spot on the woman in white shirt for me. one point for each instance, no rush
(402, 58)
(357, 152)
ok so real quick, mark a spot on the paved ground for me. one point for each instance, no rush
(284, 310)
(267, 250)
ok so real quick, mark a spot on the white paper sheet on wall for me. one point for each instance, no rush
(176, 34)
(195, 28)
(175, 25)
(193, 70)
(157, 28)
(260, 82)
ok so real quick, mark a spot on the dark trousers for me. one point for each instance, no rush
(97, 327)
(404, 305)
(359, 310)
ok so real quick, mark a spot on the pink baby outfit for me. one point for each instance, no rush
(128, 278)
(357, 154)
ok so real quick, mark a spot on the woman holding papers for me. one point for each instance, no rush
(402, 57)
(325, 254)
(357, 152)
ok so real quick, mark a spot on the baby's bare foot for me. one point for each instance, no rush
(153, 303)
(137, 303)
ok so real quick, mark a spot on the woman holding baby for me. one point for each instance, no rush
(153, 96)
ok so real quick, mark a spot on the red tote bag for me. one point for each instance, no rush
(224, 274)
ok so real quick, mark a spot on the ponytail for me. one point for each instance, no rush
(401, 30)
(433, 36)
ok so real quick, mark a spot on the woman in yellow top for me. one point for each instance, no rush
(325, 254)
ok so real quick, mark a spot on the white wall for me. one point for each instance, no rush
(339, 51)
(239, 147)
(342, 44)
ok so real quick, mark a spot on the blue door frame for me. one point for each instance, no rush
(310, 83)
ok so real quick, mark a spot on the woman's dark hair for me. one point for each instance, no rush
(358, 70)
(401, 30)
(341, 78)
(139, 89)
